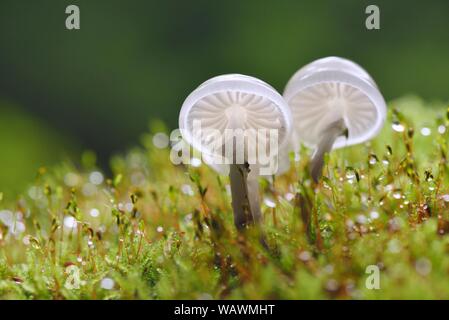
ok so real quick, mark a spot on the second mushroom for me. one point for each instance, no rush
(334, 103)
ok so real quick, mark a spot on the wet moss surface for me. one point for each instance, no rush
(154, 230)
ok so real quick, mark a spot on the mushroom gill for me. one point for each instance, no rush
(317, 106)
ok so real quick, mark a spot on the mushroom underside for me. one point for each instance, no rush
(316, 107)
(233, 121)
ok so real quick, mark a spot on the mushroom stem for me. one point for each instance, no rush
(253, 195)
(245, 196)
(330, 134)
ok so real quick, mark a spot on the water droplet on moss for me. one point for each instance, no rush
(423, 266)
(94, 212)
(398, 127)
(397, 195)
(161, 140)
(374, 215)
(96, 178)
(107, 283)
(187, 189)
(269, 203)
(305, 256)
(426, 131)
(70, 222)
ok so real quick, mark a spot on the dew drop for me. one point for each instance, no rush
(398, 127)
(7, 217)
(129, 206)
(96, 178)
(89, 189)
(70, 222)
(269, 203)
(71, 179)
(332, 285)
(423, 266)
(350, 175)
(94, 212)
(425, 131)
(187, 189)
(35, 193)
(289, 196)
(26, 240)
(361, 219)
(107, 283)
(160, 140)
(305, 256)
(374, 215)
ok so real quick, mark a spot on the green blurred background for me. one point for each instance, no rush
(64, 91)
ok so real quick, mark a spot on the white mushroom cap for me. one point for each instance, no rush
(234, 101)
(330, 89)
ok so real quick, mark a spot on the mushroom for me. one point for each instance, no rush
(334, 103)
(240, 119)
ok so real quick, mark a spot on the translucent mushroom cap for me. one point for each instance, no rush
(234, 102)
(330, 89)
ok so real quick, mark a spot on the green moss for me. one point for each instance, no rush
(155, 241)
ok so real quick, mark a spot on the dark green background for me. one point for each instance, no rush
(133, 61)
